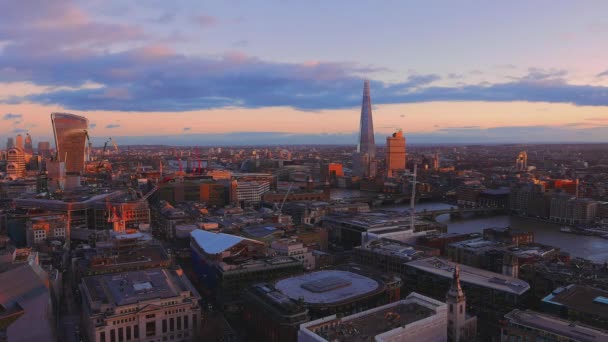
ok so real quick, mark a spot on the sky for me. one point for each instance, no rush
(190, 72)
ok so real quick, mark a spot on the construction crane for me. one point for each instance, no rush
(285, 198)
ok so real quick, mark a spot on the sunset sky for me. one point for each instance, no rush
(245, 72)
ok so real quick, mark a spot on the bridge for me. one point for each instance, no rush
(456, 212)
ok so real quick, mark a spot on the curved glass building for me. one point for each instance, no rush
(70, 140)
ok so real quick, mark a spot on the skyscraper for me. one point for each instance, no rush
(10, 143)
(15, 166)
(70, 140)
(44, 148)
(395, 153)
(28, 148)
(521, 163)
(364, 160)
(19, 141)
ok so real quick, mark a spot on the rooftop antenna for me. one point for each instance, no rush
(413, 198)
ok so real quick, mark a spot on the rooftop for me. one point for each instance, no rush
(581, 298)
(557, 326)
(471, 275)
(215, 243)
(135, 286)
(327, 287)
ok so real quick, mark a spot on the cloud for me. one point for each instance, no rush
(92, 125)
(186, 129)
(11, 116)
(19, 130)
(602, 74)
(597, 119)
(110, 126)
(205, 21)
(241, 43)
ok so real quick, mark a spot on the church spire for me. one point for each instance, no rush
(455, 293)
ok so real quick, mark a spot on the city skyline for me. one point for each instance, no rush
(197, 72)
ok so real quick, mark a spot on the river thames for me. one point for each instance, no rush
(588, 247)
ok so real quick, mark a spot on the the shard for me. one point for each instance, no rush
(364, 160)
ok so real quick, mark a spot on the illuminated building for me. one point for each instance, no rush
(460, 326)
(364, 160)
(10, 143)
(521, 163)
(70, 140)
(19, 141)
(395, 153)
(27, 145)
(15, 167)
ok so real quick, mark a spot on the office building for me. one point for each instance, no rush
(489, 295)
(340, 291)
(45, 225)
(250, 192)
(416, 318)
(580, 303)
(295, 249)
(528, 325)
(26, 306)
(19, 141)
(70, 140)
(270, 315)
(44, 149)
(364, 159)
(227, 264)
(149, 305)
(521, 163)
(395, 154)
(28, 147)
(15, 167)
(10, 143)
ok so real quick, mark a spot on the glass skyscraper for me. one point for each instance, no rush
(70, 140)
(364, 161)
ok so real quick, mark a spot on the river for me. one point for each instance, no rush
(588, 247)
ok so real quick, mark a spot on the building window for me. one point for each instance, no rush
(171, 324)
(194, 322)
(179, 323)
(185, 322)
(451, 308)
(102, 336)
(164, 326)
(150, 329)
(136, 331)
(120, 335)
(112, 335)
(128, 333)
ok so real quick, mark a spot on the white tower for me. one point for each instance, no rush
(457, 312)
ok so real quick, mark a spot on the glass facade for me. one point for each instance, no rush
(70, 140)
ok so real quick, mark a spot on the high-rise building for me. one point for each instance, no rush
(19, 141)
(28, 148)
(15, 166)
(70, 140)
(521, 163)
(364, 160)
(395, 153)
(44, 148)
(10, 143)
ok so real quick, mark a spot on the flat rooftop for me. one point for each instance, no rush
(581, 298)
(366, 327)
(135, 286)
(471, 275)
(556, 326)
(327, 287)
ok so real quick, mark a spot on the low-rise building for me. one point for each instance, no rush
(416, 318)
(580, 303)
(270, 315)
(295, 249)
(534, 326)
(149, 305)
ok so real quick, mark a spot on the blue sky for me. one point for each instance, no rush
(294, 69)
